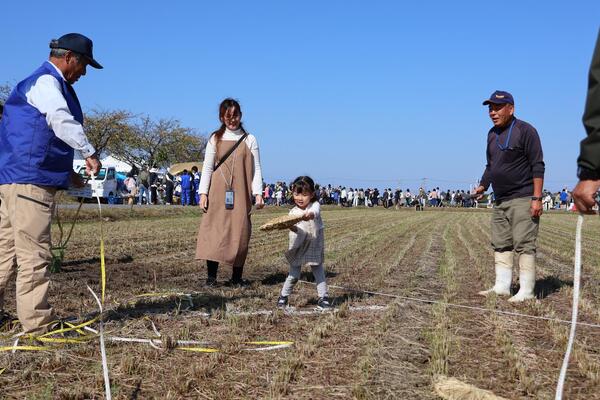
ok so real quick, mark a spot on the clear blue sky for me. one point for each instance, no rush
(379, 93)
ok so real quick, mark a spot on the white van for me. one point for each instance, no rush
(103, 185)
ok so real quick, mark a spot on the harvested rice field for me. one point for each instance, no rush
(393, 344)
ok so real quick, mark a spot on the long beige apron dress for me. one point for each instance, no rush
(224, 234)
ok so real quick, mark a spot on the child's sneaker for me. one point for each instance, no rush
(324, 304)
(282, 302)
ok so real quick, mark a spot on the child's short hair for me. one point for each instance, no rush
(304, 184)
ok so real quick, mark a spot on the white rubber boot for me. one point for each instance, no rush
(504, 264)
(526, 278)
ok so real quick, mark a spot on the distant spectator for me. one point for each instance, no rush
(195, 196)
(564, 199)
(169, 186)
(131, 186)
(186, 188)
(143, 185)
(153, 181)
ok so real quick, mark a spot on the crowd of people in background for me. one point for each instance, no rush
(150, 187)
(278, 194)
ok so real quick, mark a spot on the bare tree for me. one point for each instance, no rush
(5, 92)
(159, 143)
(107, 129)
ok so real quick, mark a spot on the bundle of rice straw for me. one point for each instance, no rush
(453, 389)
(283, 222)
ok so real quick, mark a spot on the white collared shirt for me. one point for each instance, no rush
(45, 94)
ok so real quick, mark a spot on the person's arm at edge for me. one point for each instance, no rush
(206, 176)
(257, 179)
(535, 156)
(588, 161)
(485, 181)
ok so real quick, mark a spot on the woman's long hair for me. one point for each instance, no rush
(224, 108)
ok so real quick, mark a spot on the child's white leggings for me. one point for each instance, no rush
(318, 272)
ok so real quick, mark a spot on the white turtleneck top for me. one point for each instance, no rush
(209, 161)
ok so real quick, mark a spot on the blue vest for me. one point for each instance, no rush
(30, 152)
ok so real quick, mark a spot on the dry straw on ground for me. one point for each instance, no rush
(283, 222)
(438, 255)
(453, 389)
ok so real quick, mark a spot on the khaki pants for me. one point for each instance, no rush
(25, 217)
(513, 228)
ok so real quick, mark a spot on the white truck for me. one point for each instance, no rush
(103, 185)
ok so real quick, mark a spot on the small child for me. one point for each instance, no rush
(307, 242)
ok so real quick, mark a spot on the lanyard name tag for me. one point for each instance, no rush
(229, 199)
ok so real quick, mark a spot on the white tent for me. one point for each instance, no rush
(120, 166)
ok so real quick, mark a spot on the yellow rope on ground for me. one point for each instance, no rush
(66, 340)
(24, 348)
(63, 330)
(198, 349)
(76, 329)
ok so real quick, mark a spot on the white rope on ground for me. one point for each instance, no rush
(103, 349)
(427, 301)
(101, 323)
(269, 348)
(576, 282)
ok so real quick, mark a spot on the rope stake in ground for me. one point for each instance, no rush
(576, 282)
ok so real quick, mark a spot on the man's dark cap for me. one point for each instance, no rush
(79, 44)
(500, 97)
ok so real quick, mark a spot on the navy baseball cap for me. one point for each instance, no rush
(500, 97)
(78, 43)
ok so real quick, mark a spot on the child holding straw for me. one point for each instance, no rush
(307, 242)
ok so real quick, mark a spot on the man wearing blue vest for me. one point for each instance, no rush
(40, 129)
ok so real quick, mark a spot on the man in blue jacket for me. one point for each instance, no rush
(186, 188)
(41, 127)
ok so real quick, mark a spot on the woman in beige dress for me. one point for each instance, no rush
(225, 229)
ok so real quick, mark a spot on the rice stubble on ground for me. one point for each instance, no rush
(389, 353)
